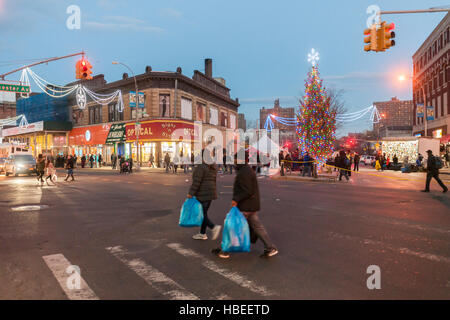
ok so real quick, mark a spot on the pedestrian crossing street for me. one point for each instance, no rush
(69, 275)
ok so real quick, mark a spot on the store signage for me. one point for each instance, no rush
(14, 88)
(420, 112)
(116, 134)
(89, 136)
(32, 127)
(133, 99)
(430, 113)
(437, 133)
(161, 130)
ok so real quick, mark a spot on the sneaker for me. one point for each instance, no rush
(218, 252)
(215, 232)
(269, 253)
(445, 190)
(425, 190)
(200, 236)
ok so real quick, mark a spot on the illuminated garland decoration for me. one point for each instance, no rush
(316, 122)
(348, 117)
(57, 91)
(13, 121)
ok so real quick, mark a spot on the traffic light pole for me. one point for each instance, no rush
(2, 76)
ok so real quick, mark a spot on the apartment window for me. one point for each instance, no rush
(223, 119)
(201, 112)
(113, 113)
(232, 121)
(95, 114)
(186, 108)
(164, 105)
(213, 116)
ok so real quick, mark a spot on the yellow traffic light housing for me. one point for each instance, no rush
(83, 69)
(370, 39)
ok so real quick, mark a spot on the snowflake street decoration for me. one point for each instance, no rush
(81, 98)
(313, 57)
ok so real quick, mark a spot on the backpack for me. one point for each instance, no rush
(439, 163)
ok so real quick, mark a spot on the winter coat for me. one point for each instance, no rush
(40, 165)
(245, 189)
(204, 182)
(431, 165)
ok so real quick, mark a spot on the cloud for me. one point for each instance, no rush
(122, 23)
(172, 13)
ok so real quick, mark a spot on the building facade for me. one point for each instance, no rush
(171, 102)
(431, 81)
(396, 118)
(242, 123)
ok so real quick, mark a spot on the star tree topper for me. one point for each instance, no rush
(313, 57)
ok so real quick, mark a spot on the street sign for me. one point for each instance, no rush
(430, 113)
(420, 112)
(14, 88)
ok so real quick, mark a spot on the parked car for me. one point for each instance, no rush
(2, 164)
(20, 164)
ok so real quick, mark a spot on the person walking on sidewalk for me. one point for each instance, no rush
(167, 162)
(69, 167)
(100, 159)
(40, 167)
(433, 172)
(50, 171)
(246, 199)
(204, 189)
(342, 164)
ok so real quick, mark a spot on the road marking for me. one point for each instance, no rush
(58, 264)
(230, 275)
(423, 255)
(155, 278)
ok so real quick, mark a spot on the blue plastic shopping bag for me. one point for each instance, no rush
(191, 214)
(236, 233)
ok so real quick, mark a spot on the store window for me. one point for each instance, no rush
(164, 105)
(213, 116)
(113, 113)
(95, 114)
(201, 112)
(186, 108)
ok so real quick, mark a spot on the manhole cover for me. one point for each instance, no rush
(30, 207)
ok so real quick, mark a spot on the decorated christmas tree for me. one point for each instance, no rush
(316, 122)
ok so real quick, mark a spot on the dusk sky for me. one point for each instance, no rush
(259, 47)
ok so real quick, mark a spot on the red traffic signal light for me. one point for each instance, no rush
(83, 69)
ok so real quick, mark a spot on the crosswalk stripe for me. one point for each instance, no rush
(59, 265)
(155, 278)
(230, 275)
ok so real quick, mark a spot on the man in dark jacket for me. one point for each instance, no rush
(204, 189)
(356, 161)
(433, 172)
(246, 198)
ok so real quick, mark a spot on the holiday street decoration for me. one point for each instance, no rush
(57, 91)
(23, 123)
(316, 121)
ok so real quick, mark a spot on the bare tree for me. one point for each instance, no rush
(337, 103)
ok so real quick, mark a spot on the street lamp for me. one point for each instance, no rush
(137, 115)
(403, 78)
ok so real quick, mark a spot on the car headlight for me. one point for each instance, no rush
(20, 165)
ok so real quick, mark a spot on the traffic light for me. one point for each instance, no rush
(371, 38)
(388, 34)
(83, 69)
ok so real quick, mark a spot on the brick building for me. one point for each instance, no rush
(396, 118)
(171, 101)
(287, 133)
(242, 123)
(432, 78)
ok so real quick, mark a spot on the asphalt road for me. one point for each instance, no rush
(122, 232)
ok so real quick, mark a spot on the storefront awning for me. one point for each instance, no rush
(162, 130)
(89, 136)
